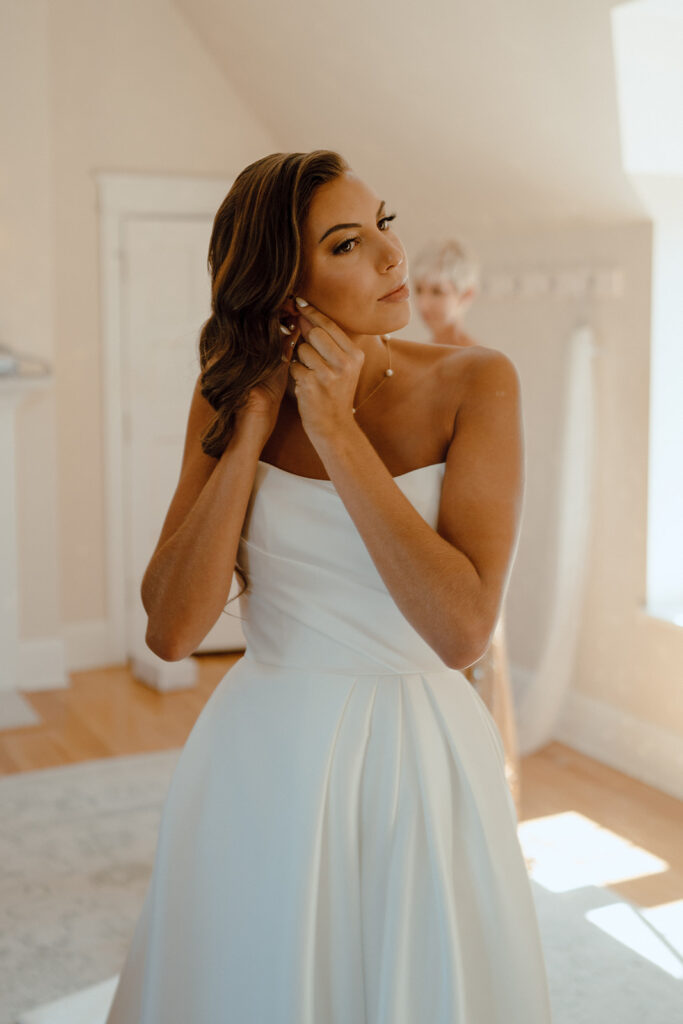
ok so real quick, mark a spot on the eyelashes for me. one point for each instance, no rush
(344, 246)
(349, 244)
(387, 219)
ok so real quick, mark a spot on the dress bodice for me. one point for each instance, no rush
(315, 598)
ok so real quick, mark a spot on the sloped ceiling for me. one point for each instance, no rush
(484, 112)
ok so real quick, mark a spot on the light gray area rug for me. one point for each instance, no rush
(76, 851)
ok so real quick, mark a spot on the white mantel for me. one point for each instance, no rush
(13, 391)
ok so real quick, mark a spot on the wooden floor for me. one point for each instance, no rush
(106, 713)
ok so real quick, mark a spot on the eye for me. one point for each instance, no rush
(349, 244)
(346, 246)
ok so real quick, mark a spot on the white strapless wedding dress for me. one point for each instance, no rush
(338, 844)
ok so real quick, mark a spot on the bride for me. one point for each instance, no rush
(338, 844)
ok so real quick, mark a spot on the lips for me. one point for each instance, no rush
(400, 292)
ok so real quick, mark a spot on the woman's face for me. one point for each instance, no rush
(354, 260)
(439, 302)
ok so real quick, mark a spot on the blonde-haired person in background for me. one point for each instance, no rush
(445, 281)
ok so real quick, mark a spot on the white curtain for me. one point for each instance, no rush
(539, 707)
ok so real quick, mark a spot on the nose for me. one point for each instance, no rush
(392, 254)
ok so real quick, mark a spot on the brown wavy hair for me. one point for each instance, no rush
(255, 262)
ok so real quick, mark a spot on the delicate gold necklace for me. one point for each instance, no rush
(387, 373)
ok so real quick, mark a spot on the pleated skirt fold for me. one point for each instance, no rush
(338, 849)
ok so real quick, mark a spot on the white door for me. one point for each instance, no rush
(165, 300)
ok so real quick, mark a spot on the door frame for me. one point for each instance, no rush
(122, 197)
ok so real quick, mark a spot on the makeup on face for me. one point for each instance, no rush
(399, 294)
(356, 269)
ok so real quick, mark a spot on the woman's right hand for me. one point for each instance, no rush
(262, 406)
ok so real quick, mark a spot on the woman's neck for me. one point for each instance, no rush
(374, 348)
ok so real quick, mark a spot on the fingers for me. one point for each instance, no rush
(322, 339)
(310, 315)
(298, 371)
(319, 341)
(310, 357)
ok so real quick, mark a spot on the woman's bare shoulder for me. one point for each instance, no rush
(454, 365)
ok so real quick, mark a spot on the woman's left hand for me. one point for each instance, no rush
(325, 370)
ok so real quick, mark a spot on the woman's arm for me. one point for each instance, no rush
(448, 583)
(187, 582)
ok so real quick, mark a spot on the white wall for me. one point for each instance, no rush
(87, 86)
(648, 42)
(27, 323)
(131, 89)
(491, 110)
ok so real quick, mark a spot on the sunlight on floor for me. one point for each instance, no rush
(568, 851)
(656, 934)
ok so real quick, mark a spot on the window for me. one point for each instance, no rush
(648, 42)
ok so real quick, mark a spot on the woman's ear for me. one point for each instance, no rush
(289, 307)
(288, 314)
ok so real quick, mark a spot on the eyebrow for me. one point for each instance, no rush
(338, 227)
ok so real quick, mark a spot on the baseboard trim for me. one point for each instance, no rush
(642, 750)
(41, 664)
(615, 737)
(89, 645)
